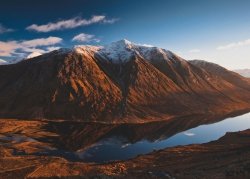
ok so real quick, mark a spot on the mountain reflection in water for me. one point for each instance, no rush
(95, 142)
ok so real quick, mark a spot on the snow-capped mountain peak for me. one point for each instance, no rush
(123, 42)
(123, 50)
(117, 52)
(120, 51)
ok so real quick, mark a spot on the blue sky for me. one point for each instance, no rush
(216, 31)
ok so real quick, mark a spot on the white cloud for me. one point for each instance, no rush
(52, 48)
(190, 134)
(4, 29)
(10, 48)
(70, 23)
(31, 50)
(234, 45)
(6, 48)
(85, 38)
(194, 51)
(41, 42)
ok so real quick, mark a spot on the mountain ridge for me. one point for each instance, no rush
(87, 83)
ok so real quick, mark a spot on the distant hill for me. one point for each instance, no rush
(243, 72)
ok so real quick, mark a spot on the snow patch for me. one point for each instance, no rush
(123, 50)
(120, 51)
(86, 49)
(33, 54)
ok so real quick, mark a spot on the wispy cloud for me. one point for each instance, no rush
(70, 23)
(6, 48)
(85, 38)
(41, 42)
(10, 48)
(194, 51)
(31, 50)
(110, 21)
(234, 45)
(4, 29)
(52, 48)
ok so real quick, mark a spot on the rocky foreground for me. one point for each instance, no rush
(228, 157)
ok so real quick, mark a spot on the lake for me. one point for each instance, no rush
(118, 147)
(99, 142)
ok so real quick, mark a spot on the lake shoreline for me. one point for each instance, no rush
(36, 136)
(227, 157)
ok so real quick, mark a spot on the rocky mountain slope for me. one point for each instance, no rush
(120, 82)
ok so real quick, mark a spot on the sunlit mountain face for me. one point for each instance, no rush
(121, 82)
(124, 89)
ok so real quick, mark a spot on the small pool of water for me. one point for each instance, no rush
(16, 138)
(117, 148)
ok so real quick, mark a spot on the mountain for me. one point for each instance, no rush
(243, 72)
(229, 76)
(119, 82)
(13, 61)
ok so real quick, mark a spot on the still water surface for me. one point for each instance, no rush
(118, 148)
